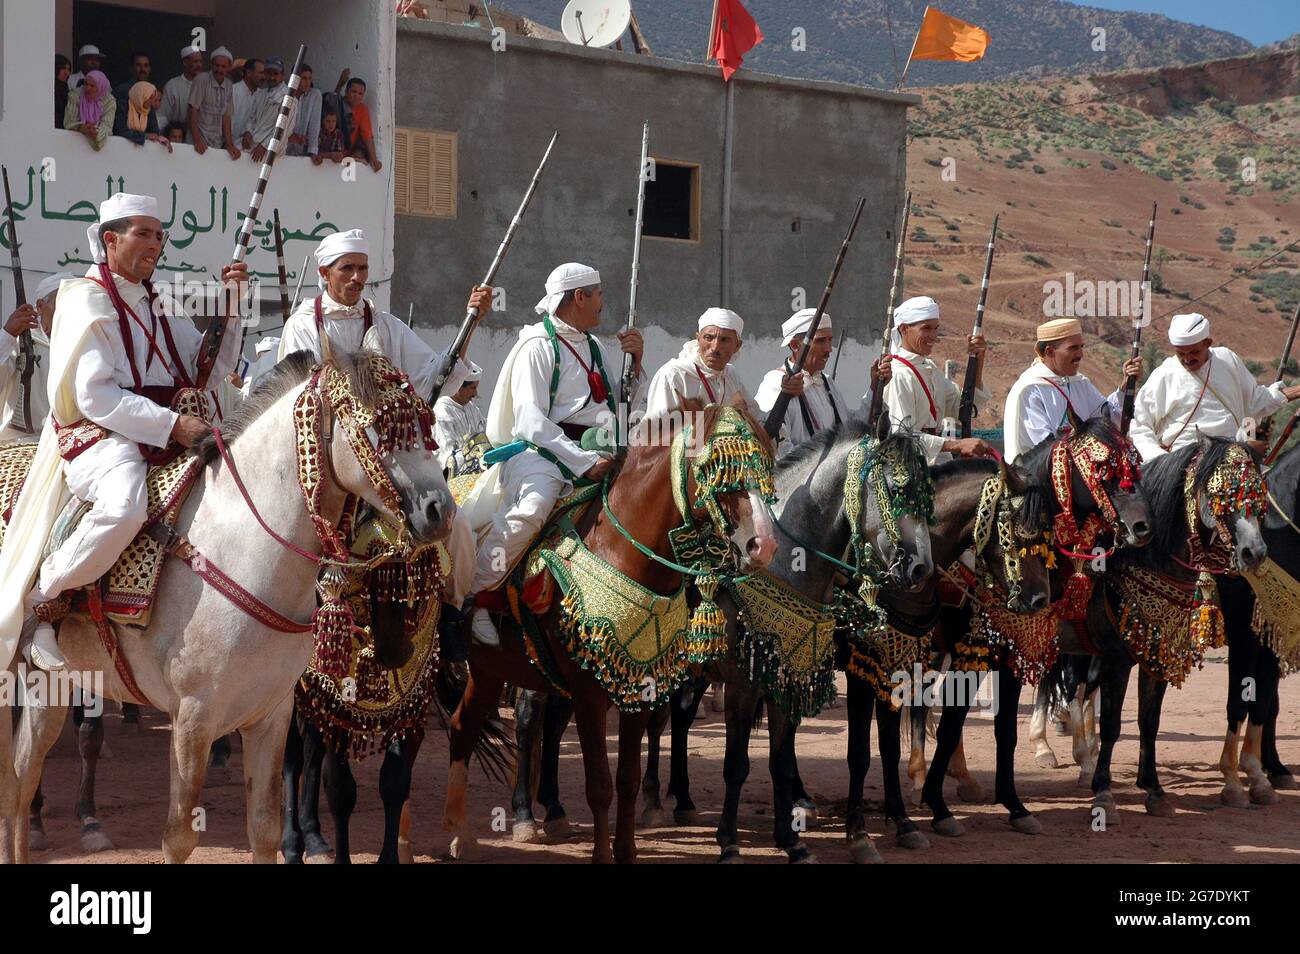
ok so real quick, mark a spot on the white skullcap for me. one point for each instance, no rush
(800, 322)
(266, 344)
(474, 373)
(89, 50)
(333, 247)
(912, 312)
(50, 283)
(1188, 329)
(219, 51)
(567, 277)
(120, 205)
(189, 51)
(723, 318)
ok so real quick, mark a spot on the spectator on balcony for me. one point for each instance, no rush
(139, 120)
(175, 109)
(358, 131)
(305, 139)
(88, 58)
(62, 70)
(330, 144)
(246, 88)
(141, 70)
(260, 129)
(211, 106)
(91, 109)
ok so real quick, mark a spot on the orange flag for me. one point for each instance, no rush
(942, 37)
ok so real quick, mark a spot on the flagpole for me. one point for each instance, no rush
(916, 38)
(713, 26)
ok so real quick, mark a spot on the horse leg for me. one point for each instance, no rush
(1151, 694)
(316, 850)
(681, 717)
(479, 700)
(946, 745)
(789, 818)
(916, 770)
(969, 788)
(90, 741)
(341, 793)
(394, 790)
(1260, 711)
(290, 775)
(653, 815)
(1044, 757)
(1279, 775)
(191, 740)
(590, 711)
(1113, 678)
(410, 751)
(263, 745)
(1080, 726)
(742, 707)
(25, 751)
(9, 787)
(555, 722)
(631, 727)
(36, 840)
(1004, 734)
(529, 706)
(860, 703)
(218, 761)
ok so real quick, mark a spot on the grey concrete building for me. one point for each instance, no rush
(473, 117)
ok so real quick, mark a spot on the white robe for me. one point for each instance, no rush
(684, 377)
(175, 107)
(1165, 403)
(511, 503)
(906, 403)
(1035, 410)
(823, 399)
(10, 381)
(453, 422)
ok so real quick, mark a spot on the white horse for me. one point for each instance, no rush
(206, 662)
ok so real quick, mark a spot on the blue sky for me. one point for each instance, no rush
(1260, 21)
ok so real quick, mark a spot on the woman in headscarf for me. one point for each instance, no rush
(62, 70)
(137, 119)
(91, 109)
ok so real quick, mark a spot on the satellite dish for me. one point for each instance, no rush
(595, 22)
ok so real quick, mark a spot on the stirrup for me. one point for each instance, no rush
(43, 651)
(485, 633)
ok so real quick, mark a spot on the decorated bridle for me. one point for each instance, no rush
(1235, 488)
(997, 511)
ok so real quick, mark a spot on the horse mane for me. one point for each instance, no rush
(853, 429)
(1163, 481)
(272, 386)
(1034, 513)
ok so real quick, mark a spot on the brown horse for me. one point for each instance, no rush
(640, 507)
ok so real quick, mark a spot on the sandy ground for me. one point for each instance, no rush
(133, 783)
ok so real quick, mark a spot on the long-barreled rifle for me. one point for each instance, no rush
(966, 409)
(22, 419)
(776, 417)
(471, 317)
(1291, 422)
(877, 383)
(279, 266)
(643, 173)
(1130, 381)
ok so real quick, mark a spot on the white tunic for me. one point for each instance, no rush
(453, 422)
(1169, 400)
(685, 376)
(175, 106)
(241, 109)
(1036, 411)
(11, 380)
(906, 401)
(345, 327)
(822, 398)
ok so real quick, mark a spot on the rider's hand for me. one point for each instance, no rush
(189, 429)
(24, 318)
(969, 447)
(600, 469)
(792, 384)
(480, 300)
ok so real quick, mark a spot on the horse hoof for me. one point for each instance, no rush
(913, 840)
(1027, 825)
(863, 852)
(809, 808)
(319, 858)
(36, 840)
(95, 841)
(1283, 782)
(405, 856)
(801, 854)
(1159, 806)
(1234, 796)
(969, 790)
(1046, 760)
(525, 833)
(1262, 793)
(948, 827)
(1085, 775)
(463, 848)
(558, 829)
(653, 818)
(1110, 811)
(730, 856)
(686, 817)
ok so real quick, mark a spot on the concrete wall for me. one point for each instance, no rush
(803, 152)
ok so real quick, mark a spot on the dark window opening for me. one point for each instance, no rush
(672, 202)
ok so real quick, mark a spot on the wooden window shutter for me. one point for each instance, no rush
(424, 173)
(444, 175)
(402, 170)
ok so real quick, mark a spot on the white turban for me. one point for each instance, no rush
(50, 284)
(565, 278)
(333, 247)
(120, 205)
(266, 344)
(189, 51)
(723, 318)
(219, 51)
(912, 312)
(474, 373)
(1188, 329)
(799, 323)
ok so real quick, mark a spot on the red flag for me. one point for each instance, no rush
(733, 33)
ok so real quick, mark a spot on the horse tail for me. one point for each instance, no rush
(495, 749)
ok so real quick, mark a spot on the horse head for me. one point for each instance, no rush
(1226, 498)
(890, 474)
(1106, 480)
(1019, 553)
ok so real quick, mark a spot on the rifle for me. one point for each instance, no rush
(27, 354)
(302, 272)
(1265, 428)
(629, 380)
(1291, 423)
(966, 409)
(211, 344)
(878, 385)
(776, 416)
(279, 264)
(1130, 381)
(471, 316)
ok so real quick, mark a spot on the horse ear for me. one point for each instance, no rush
(883, 426)
(1019, 480)
(1076, 422)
